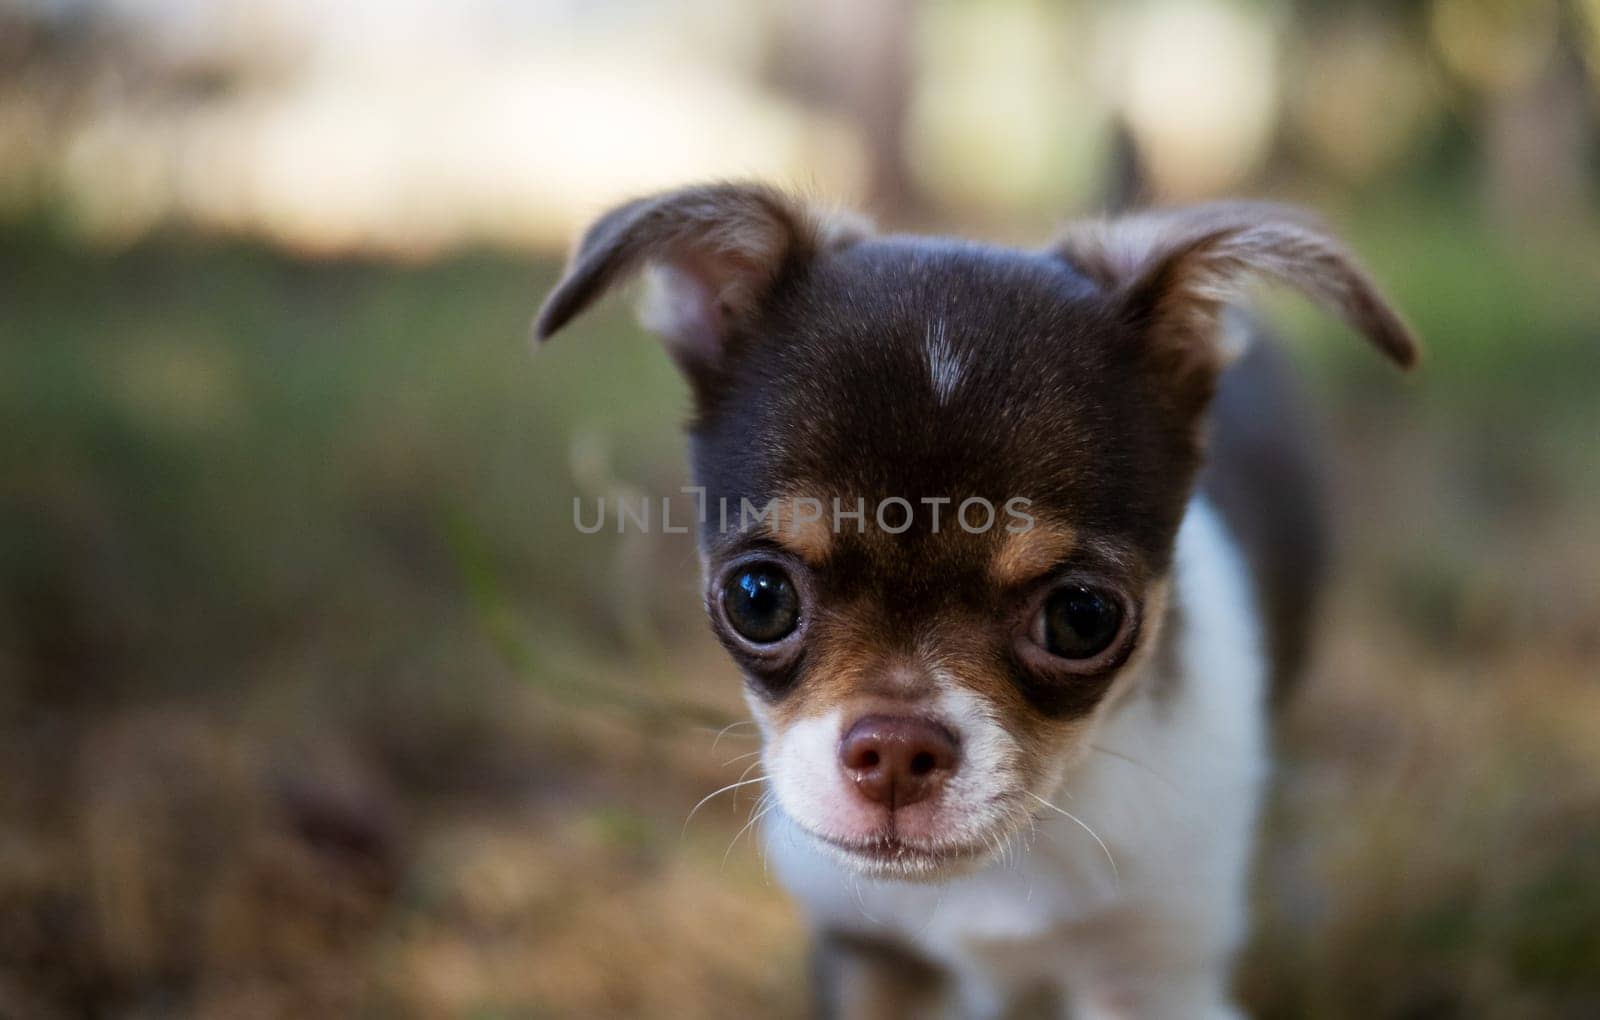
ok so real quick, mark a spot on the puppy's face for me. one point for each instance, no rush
(919, 685)
(944, 483)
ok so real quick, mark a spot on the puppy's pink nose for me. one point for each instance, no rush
(896, 760)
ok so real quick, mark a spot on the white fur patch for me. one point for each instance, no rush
(1234, 335)
(1173, 797)
(802, 765)
(945, 367)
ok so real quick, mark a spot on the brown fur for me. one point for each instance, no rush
(1079, 378)
(1025, 555)
(722, 244)
(1084, 375)
(796, 530)
(1194, 261)
(873, 979)
(1264, 474)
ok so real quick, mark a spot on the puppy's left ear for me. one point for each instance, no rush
(716, 250)
(1171, 273)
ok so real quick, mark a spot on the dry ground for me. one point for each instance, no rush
(314, 705)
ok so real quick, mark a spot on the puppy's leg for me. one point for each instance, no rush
(1170, 996)
(856, 977)
(1153, 968)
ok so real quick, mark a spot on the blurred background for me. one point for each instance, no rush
(312, 701)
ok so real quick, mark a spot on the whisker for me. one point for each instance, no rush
(755, 817)
(1136, 762)
(934, 913)
(770, 801)
(747, 770)
(1027, 851)
(861, 904)
(724, 731)
(725, 789)
(741, 757)
(1115, 874)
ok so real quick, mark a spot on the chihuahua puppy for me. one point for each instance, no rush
(1015, 754)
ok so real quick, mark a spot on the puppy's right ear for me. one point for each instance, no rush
(716, 251)
(1173, 271)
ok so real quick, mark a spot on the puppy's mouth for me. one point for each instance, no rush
(891, 856)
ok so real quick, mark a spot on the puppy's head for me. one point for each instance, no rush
(943, 482)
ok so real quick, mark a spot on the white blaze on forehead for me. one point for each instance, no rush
(944, 365)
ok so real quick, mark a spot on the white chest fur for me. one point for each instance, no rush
(1171, 788)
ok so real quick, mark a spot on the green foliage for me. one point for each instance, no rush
(333, 501)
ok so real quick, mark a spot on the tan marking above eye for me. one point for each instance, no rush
(803, 525)
(1026, 555)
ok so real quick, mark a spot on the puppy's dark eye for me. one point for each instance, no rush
(1078, 622)
(761, 603)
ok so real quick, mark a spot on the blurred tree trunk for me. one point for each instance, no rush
(856, 60)
(1539, 137)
